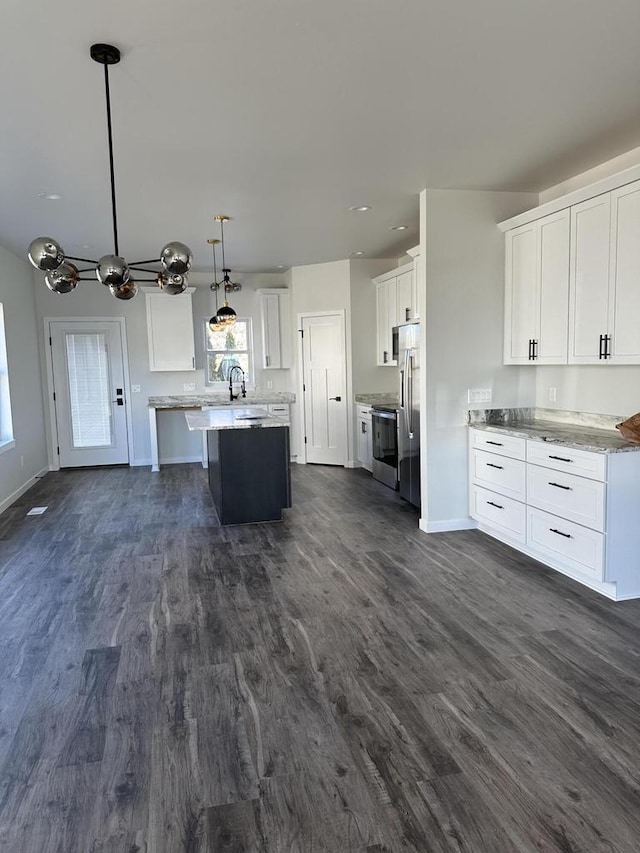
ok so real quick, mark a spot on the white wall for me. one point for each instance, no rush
(20, 464)
(463, 336)
(93, 300)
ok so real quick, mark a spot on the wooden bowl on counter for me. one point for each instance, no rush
(630, 429)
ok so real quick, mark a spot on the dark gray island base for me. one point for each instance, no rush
(249, 473)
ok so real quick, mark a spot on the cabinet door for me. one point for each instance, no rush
(405, 297)
(386, 316)
(589, 279)
(624, 299)
(170, 331)
(521, 319)
(416, 284)
(553, 287)
(270, 307)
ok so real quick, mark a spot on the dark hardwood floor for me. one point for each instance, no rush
(335, 682)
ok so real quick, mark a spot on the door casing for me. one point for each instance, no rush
(50, 405)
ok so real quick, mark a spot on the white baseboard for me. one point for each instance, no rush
(447, 526)
(6, 503)
(352, 463)
(170, 460)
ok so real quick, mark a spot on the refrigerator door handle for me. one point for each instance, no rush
(405, 393)
(410, 391)
(402, 389)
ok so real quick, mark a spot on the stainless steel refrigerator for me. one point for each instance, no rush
(409, 412)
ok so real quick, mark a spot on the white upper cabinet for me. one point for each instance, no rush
(395, 303)
(589, 280)
(537, 291)
(589, 250)
(416, 281)
(624, 290)
(170, 330)
(276, 334)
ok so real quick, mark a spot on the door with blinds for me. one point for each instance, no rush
(90, 402)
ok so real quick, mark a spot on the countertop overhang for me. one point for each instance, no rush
(236, 418)
(220, 399)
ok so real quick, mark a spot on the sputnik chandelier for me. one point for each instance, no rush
(62, 276)
(224, 316)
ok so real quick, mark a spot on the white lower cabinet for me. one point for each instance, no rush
(365, 446)
(576, 511)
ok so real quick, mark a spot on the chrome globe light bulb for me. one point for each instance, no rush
(45, 253)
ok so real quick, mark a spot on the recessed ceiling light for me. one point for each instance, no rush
(398, 227)
(50, 196)
(357, 253)
(280, 267)
(360, 208)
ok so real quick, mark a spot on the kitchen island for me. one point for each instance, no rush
(275, 401)
(248, 452)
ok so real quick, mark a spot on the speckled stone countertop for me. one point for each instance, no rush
(220, 398)
(217, 419)
(582, 430)
(377, 399)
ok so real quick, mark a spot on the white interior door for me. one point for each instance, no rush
(90, 403)
(324, 378)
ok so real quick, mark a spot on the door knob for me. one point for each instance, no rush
(338, 399)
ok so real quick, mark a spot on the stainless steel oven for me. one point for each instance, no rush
(384, 426)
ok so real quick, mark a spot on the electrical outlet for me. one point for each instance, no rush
(189, 386)
(479, 395)
(553, 395)
(269, 384)
(135, 389)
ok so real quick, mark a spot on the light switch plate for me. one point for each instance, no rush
(479, 395)
(189, 386)
(135, 389)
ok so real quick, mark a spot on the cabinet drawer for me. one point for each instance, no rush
(281, 409)
(497, 442)
(505, 475)
(569, 459)
(574, 546)
(576, 498)
(363, 411)
(498, 511)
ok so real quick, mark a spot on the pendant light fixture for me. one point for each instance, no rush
(224, 316)
(62, 276)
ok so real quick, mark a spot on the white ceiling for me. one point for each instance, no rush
(283, 113)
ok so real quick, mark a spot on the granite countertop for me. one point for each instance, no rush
(584, 431)
(377, 399)
(232, 419)
(220, 398)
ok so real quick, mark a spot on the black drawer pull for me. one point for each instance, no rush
(497, 506)
(560, 533)
(497, 443)
(558, 486)
(561, 458)
(491, 465)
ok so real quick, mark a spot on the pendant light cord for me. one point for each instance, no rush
(215, 273)
(113, 180)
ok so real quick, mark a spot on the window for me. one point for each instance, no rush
(6, 424)
(230, 347)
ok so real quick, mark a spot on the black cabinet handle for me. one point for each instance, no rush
(535, 349)
(363, 425)
(601, 349)
(560, 533)
(560, 458)
(497, 506)
(491, 465)
(385, 357)
(497, 443)
(558, 486)
(407, 311)
(607, 346)
(530, 356)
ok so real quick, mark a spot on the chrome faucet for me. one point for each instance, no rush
(243, 388)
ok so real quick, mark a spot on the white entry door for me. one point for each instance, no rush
(90, 403)
(324, 378)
